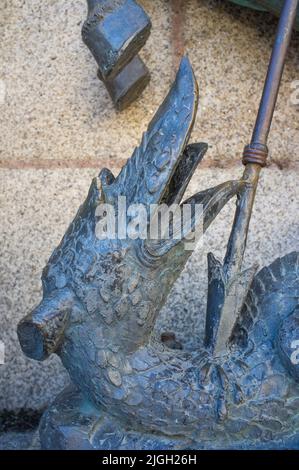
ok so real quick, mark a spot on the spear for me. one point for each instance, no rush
(228, 284)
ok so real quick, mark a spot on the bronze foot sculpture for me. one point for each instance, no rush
(115, 31)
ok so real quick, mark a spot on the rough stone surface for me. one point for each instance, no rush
(56, 108)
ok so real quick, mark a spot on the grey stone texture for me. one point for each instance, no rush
(56, 108)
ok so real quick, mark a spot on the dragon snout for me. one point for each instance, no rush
(41, 332)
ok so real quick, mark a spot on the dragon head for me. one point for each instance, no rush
(115, 288)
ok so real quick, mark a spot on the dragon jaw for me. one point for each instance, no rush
(123, 284)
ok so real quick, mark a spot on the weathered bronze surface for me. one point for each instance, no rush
(273, 6)
(101, 300)
(115, 31)
(128, 84)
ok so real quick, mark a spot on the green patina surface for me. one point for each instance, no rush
(274, 6)
(249, 4)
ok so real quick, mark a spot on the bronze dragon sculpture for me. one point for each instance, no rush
(101, 299)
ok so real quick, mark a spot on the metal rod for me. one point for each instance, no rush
(256, 152)
(275, 70)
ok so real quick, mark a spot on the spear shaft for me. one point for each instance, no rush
(255, 154)
(228, 285)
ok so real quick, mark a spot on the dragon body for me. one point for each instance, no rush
(101, 299)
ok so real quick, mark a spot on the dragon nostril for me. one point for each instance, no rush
(41, 332)
(32, 340)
